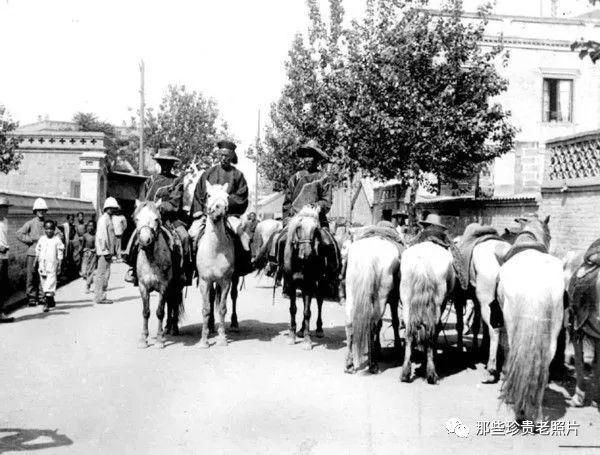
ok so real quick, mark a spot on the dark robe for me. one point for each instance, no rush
(237, 189)
(169, 190)
(324, 194)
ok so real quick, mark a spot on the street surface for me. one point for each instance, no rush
(74, 381)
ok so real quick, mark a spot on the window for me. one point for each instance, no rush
(558, 100)
(75, 189)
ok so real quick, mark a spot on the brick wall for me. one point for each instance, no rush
(574, 217)
(21, 212)
(46, 172)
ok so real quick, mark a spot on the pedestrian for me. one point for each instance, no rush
(4, 249)
(119, 224)
(80, 225)
(106, 248)
(90, 260)
(49, 253)
(29, 234)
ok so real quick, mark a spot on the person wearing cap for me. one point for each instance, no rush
(166, 190)
(4, 249)
(435, 231)
(106, 248)
(220, 174)
(314, 175)
(29, 234)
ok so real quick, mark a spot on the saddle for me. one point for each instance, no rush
(474, 234)
(528, 244)
(583, 298)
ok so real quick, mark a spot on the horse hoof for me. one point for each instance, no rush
(203, 344)
(222, 342)
(175, 331)
(349, 369)
(142, 344)
(234, 328)
(291, 340)
(432, 378)
(405, 376)
(319, 333)
(160, 344)
(374, 369)
(307, 346)
(490, 378)
(300, 334)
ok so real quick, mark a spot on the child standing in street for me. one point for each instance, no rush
(49, 253)
(88, 265)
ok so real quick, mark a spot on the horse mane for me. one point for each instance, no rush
(151, 205)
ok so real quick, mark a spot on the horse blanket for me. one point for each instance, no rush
(583, 298)
(474, 234)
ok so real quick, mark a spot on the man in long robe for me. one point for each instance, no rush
(166, 189)
(219, 174)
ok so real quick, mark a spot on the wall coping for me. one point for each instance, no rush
(573, 138)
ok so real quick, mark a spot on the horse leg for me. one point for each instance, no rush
(146, 315)
(492, 373)
(293, 308)
(432, 376)
(160, 314)
(234, 327)
(579, 396)
(406, 366)
(349, 367)
(319, 332)
(224, 289)
(211, 319)
(476, 326)
(395, 326)
(459, 302)
(307, 297)
(374, 348)
(177, 301)
(596, 376)
(205, 293)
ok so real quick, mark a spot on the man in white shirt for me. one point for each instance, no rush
(119, 224)
(105, 249)
(4, 248)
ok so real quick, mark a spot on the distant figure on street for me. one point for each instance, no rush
(89, 260)
(4, 249)
(106, 248)
(120, 224)
(29, 234)
(72, 262)
(249, 227)
(49, 253)
(80, 225)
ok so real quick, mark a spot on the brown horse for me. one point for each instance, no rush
(304, 268)
(155, 272)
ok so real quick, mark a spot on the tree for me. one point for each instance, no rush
(187, 121)
(588, 48)
(10, 157)
(115, 148)
(402, 93)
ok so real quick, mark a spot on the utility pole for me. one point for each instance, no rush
(142, 116)
(257, 162)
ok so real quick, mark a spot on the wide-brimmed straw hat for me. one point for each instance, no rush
(166, 154)
(433, 220)
(311, 148)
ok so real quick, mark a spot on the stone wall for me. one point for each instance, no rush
(21, 212)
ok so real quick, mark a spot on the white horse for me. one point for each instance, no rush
(372, 279)
(426, 281)
(530, 290)
(215, 261)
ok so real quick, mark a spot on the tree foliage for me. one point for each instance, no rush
(10, 157)
(588, 48)
(400, 93)
(188, 122)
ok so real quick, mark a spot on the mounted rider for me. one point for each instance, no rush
(166, 190)
(311, 186)
(220, 174)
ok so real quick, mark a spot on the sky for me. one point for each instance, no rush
(64, 56)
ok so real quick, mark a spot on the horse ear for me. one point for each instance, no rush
(137, 203)
(547, 220)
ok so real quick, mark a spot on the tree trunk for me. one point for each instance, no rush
(412, 202)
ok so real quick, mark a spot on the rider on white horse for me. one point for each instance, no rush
(219, 174)
(166, 188)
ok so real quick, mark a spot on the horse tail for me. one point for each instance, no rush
(364, 283)
(422, 302)
(262, 255)
(527, 366)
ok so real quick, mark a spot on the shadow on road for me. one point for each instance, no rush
(24, 440)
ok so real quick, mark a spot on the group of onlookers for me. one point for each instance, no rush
(75, 248)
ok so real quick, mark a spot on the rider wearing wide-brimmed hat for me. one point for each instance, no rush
(166, 190)
(435, 231)
(222, 173)
(311, 185)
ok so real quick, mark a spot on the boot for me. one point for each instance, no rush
(50, 301)
(45, 303)
(32, 301)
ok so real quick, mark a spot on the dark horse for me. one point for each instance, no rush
(304, 269)
(155, 272)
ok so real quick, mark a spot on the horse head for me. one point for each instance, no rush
(538, 230)
(147, 222)
(303, 239)
(217, 201)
